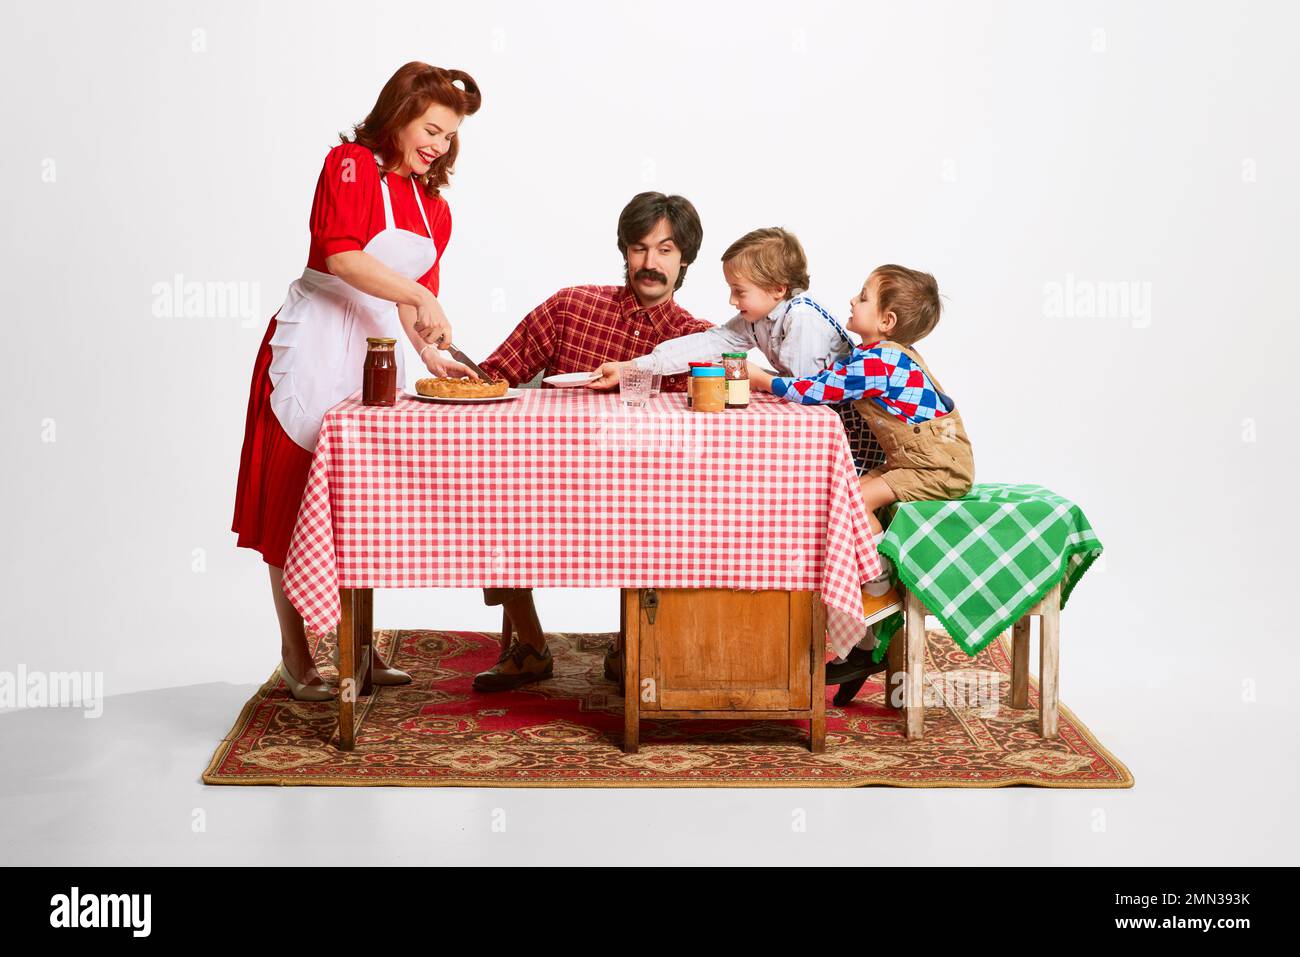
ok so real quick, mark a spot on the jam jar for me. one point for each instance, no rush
(736, 365)
(379, 378)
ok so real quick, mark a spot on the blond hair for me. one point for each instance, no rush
(912, 296)
(769, 258)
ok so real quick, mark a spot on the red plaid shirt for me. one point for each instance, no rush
(580, 327)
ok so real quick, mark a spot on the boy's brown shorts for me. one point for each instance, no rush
(946, 482)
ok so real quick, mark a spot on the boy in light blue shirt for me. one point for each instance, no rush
(767, 273)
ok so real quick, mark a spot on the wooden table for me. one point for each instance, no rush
(571, 489)
(723, 654)
(708, 654)
(355, 639)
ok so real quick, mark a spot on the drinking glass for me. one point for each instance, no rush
(634, 385)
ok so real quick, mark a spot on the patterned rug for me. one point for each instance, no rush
(565, 732)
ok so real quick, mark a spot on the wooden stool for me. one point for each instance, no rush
(906, 663)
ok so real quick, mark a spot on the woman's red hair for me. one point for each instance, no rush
(405, 97)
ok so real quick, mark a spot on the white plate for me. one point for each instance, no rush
(569, 380)
(510, 394)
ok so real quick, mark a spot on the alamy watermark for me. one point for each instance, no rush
(75, 909)
(1126, 300)
(975, 691)
(634, 430)
(191, 299)
(53, 689)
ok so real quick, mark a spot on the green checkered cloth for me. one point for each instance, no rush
(979, 562)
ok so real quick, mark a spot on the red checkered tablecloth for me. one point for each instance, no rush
(567, 488)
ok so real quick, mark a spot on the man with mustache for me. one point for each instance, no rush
(576, 330)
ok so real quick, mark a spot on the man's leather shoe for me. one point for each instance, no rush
(614, 666)
(521, 664)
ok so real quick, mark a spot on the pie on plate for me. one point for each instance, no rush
(441, 387)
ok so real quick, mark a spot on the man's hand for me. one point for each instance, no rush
(610, 373)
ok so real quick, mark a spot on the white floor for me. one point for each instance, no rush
(1213, 787)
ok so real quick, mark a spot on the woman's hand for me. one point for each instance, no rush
(429, 351)
(431, 322)
(439, 364)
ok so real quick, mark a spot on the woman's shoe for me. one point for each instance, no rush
(305, 692)
(385, 677)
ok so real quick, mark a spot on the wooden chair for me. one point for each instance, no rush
(906, 663)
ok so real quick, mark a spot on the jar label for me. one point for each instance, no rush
(737, 392)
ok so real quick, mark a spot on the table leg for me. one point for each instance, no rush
(631, 673)
(620, 644)
(1020, 662)
(913, 698)
(1049, 626)
(347, 670)
(365, 629)
(817, 726)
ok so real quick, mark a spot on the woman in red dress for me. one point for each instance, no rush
(378, 229)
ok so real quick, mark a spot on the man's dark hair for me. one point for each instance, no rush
(645, 210)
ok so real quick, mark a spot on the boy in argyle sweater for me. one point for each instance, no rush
(927, 453)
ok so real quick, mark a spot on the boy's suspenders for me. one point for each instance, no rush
(867, 453)
(827, 316)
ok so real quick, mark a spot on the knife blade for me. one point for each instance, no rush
(467, 361)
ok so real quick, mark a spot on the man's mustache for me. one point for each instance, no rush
(651, 274)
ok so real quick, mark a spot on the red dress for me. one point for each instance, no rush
(346, 212)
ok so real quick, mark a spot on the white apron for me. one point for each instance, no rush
(319, 347)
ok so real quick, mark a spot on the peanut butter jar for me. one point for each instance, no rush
(708, 389)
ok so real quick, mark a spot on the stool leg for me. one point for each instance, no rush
(914, 700)
(1020, 662)
(1049, 624)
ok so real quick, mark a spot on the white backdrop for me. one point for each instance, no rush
(1023, 152)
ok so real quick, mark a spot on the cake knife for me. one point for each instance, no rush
(467, 361)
